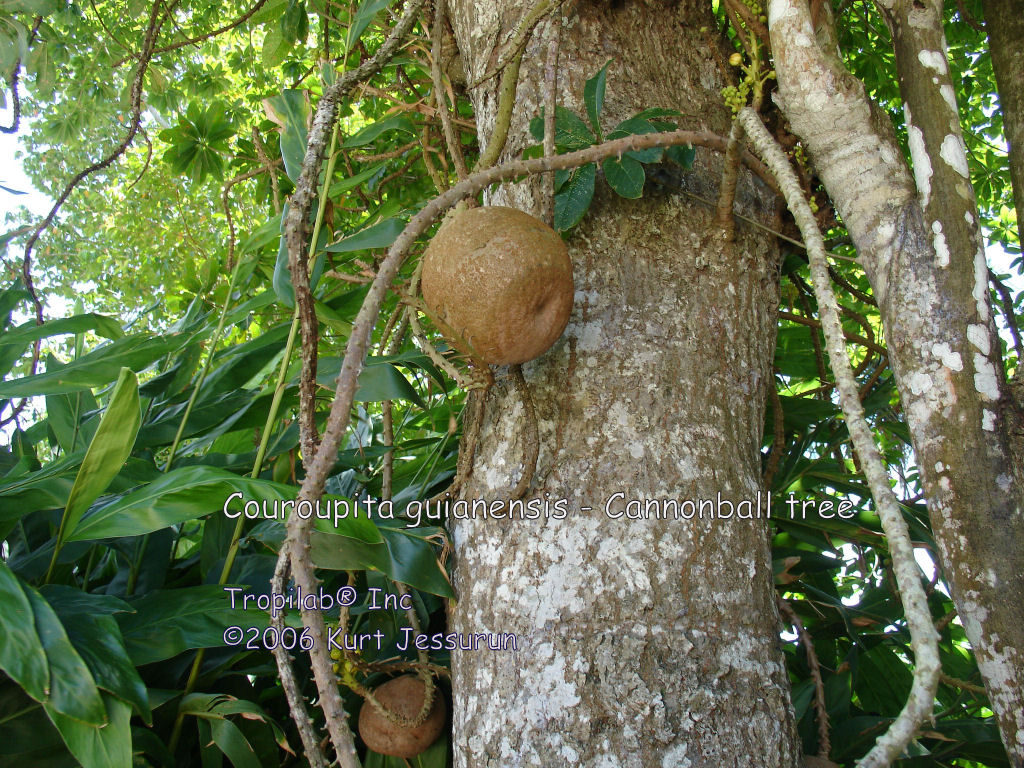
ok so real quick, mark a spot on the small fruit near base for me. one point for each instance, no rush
(403, 696)
(502, 280)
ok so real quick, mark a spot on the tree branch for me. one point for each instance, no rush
(920, 703)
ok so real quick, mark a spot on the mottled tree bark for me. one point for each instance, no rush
(1004, 23)
(641, 642)
(919, 242)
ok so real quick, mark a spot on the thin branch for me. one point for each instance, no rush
(292, 691)
(15, 101)
(509, 81)
(206, 36)
(779, 439)
(920, 703)
(520, 36)
(811, 322)
(297, 544)
(532, 449)
(1011, 318)
(261, 153)
(550, 105)
(730, 175)
(814, 667)
(440, 100)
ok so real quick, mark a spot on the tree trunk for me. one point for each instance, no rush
(640, 642)
(1005, 25)
(919, 242)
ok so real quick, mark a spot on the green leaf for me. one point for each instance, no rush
(72, 689)
(632, 127)
(573, 200)
(21, 654)
(233, 744)
(184, 494)
(26, 333)
(41, 66)
(405, 555)
(625, 176)
(46, 488)
(295, 22)
(275, 46)
(95, 634)
(170, 621)
(107, 747)
(380, 235)
(361, 20)
(351, 182)
(65, 414)
(377, 381)
(97, 368)
(571, 132)
(682, 156)
(110, 447)
(593, 97)
(270, 11)
(369, 133)
(656, 112)
(290, 111)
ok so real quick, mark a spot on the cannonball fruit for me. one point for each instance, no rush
(502, 280)
(404, 696)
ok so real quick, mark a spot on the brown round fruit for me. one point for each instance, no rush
(502, 280)
(403, 696)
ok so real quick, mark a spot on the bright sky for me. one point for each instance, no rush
(11, 176)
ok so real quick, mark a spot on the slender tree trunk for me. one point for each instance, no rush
(1005, 25)
(640, 642)
(919, 242)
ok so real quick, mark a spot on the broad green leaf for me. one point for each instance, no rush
(66, 413)
(593, 97)
(351, 182)
(632, 127)
(275, 46)
(657, 112)
(573, 200)
(295, 22)
(408, 555)
(88, 619)
(110, 447)
(380, 235)
(233, 744)
(270, 11)
(234, 366)
(41, 66)
(370, 133)
(377, 381)
(212, 413)
(169, 621)
(405, 555)
(682, 156)
(570, 131)
(625, 176)
(26, 333)
(46, 488)
(361, 20)
(21, 654)
(72, 689)
(97, 368)
(94, 747)
(290, 110)
(189, 493)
